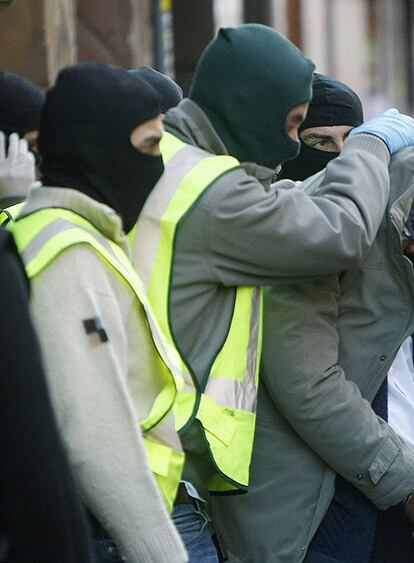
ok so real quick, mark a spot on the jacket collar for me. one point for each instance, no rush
(190, 122)
(401, 187)
(102, 217)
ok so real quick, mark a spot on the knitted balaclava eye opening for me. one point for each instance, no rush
(247, 80)
(333, 103)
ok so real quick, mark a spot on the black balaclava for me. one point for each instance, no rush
(20, 104)
(169, 91)
(333, 103)
(84, 138)
(246, 81)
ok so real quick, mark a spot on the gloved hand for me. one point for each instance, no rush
(17, 167)
(393, 127)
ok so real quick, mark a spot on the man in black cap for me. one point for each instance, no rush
(334, 111)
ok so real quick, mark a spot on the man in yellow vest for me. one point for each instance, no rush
(214, 230)
(112, 374)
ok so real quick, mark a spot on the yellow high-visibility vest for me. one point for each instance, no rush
(226, 406)
(10, 213)
(40, 237)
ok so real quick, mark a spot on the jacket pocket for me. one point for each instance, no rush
(384, 460)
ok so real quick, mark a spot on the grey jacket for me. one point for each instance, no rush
(312, 421)
(242, 231)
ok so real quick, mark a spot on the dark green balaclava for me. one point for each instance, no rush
(246, 81)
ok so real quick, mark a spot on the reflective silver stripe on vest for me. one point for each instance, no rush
(60, 225)
(228, 392)
(148, 235)
(241, 394)
(253, 346)
(166, 427)
(53, 229)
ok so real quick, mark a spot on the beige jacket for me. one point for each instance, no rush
(101, 390)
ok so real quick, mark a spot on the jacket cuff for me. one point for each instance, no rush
(392, 473)
(369, 143)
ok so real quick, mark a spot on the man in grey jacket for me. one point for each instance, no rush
(241, 231)
(314, 422)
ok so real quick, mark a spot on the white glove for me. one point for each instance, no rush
(17, 167)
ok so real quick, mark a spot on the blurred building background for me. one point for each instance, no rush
(367, 43)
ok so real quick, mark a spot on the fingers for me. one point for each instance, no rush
(2, 146)
(13, 151)
(391, 111)
(23, 146)
(28, 155)
(23, 152)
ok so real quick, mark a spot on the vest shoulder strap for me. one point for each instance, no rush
(43, 235)
(10, 213)
(171, 145)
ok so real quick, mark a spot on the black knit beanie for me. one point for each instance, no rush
(20, 104)
(247, 80)
(333, 103)
(169, 91)
(84, 140)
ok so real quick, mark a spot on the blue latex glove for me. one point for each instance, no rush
(393, 127)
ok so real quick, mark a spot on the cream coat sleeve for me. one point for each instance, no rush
(88, 381)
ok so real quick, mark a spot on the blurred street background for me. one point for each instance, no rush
(369, 44)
